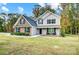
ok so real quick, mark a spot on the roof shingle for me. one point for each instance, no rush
(31, 21)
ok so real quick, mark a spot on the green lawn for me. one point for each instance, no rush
(41, 45)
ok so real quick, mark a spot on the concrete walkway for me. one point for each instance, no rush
(8, 34)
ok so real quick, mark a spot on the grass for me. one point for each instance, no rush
(41, 45)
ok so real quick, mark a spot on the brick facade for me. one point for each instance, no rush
(22, 29)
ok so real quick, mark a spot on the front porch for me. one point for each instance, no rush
(48, 31)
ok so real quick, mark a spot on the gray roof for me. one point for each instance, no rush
(31, 21)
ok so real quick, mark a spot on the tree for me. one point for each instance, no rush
(1, 24)
(11, 21)
(38, 10)
(70, 14)
(65, 23)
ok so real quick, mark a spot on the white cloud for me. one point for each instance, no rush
(4, 3)
(4, 9)
(53, 5)
(42, 4)
(20, 9)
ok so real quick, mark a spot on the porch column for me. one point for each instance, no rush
(58, 32)
(44, 31)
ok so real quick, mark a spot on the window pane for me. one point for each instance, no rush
(17, 29)
(50, 30)
(22, 21)
(51, 21)
(40, 21)
(27, 29)
(48, 21)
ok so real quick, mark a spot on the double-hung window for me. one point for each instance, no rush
(51, 21)
(40, 21)
(27, 29)
(22, 21)
(17, 29)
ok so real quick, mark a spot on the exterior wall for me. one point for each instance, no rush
(33, 31)
(30, 30)
(23, 25)
(14, 29)
(22, 29)
(37, 31)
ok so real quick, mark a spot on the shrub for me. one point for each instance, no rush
(19, 33)
(62, 34)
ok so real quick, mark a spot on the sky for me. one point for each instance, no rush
(25, 8)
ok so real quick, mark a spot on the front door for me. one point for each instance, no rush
(40, 31)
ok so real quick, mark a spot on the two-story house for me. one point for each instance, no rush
(46, 24)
